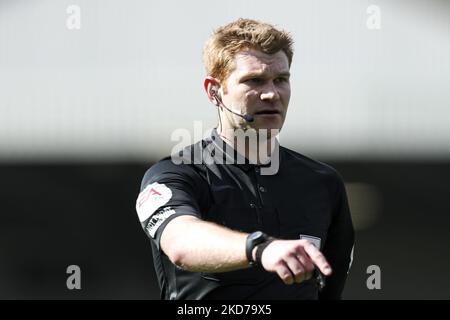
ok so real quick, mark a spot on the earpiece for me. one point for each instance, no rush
(214, 94)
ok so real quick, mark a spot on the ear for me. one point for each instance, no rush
(210, 85)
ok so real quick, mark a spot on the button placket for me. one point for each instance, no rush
(258, 213)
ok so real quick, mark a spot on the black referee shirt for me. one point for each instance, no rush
(304, 199)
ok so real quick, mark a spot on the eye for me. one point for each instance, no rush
(281, 80)
(254, 81)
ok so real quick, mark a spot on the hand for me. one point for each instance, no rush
(294, 260)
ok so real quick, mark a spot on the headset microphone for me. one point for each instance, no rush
(246, 117)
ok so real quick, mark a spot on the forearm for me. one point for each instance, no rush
(200, 246)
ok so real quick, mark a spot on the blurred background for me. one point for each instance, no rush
(91, 92)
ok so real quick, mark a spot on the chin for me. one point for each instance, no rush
(268, 129)
(268, 125)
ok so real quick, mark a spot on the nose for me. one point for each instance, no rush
(270, 93)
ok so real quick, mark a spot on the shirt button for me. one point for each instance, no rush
(262, 189)
(252, 205)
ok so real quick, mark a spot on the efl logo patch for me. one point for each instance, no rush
(151, 198)
(314, 240)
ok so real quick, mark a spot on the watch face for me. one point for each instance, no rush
(256, 235)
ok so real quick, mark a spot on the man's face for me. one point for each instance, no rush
(259, 86)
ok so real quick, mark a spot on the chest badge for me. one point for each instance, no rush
(314, 240)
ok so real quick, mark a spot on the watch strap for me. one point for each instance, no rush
(260, 249)
(251, 243)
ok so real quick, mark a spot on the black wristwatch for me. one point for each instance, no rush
(253, 239)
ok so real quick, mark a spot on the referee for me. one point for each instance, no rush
(236, 215)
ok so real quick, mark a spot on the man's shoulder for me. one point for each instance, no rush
(314, 165)
(183, 163)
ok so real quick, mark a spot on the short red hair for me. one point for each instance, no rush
(221, 48)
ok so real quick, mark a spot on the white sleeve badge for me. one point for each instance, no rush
(150, 199)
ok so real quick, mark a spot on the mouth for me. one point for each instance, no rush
(267, 112)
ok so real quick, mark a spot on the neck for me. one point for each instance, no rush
(256, 145)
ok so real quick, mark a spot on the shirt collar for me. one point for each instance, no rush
(224, 153)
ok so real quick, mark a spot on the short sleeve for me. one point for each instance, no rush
(168, 190)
